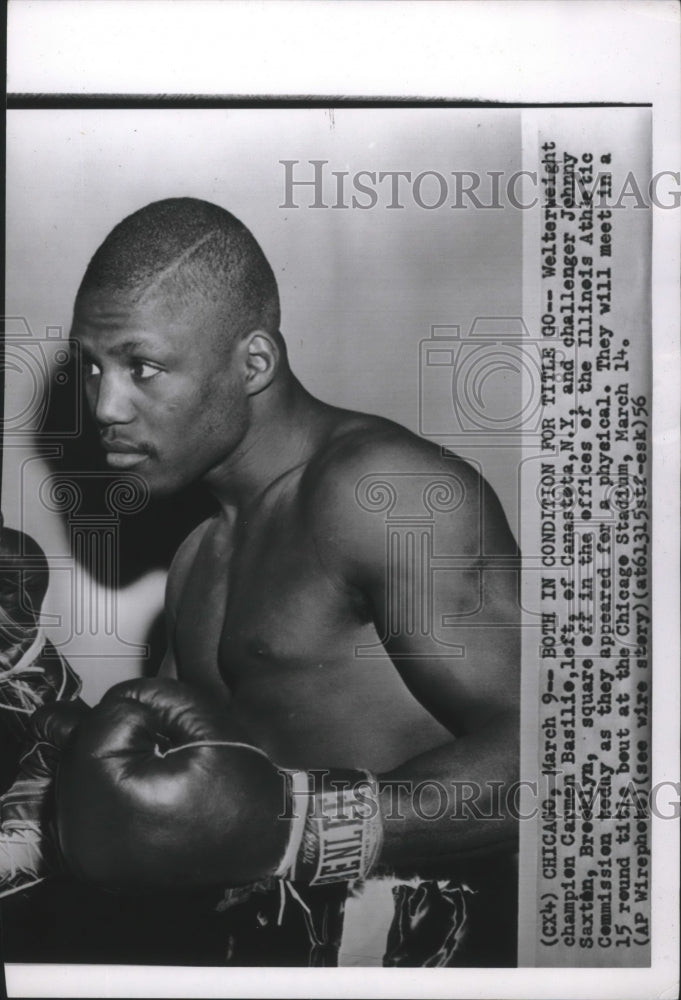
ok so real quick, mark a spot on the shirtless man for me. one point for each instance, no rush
(273, 603)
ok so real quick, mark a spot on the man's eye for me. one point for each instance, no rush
(143, 371)
(90, 369)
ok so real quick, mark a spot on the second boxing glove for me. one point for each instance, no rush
(28, 851)
(32, 672)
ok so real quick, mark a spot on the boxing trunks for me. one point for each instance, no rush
(395, 923)
(389, 922)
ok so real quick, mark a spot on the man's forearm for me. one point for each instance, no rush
(454, 801)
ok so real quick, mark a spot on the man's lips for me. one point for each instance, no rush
(122, 447)
(123, 454)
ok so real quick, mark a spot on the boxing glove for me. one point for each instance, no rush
(153, 792)
(32, 672)
(28, 850)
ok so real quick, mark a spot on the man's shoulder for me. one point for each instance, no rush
(370, 464)
(373, 471)
(364, 444)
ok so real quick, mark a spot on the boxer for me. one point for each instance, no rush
(32, 675)
(272, 606)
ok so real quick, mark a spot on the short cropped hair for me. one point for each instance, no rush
(184, 249)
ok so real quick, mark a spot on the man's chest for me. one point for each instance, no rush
(260, 601)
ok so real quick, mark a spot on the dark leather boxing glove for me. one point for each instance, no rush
(32, 675)
(32, 672)
(153, 793)
(28, 850)
(24, 577)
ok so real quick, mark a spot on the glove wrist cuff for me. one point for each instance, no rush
(336, 830)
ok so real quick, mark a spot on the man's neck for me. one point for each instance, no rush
(284, 433)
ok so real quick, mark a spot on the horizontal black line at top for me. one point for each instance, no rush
(21, 102)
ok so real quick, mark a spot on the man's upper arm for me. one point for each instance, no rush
(426, 541)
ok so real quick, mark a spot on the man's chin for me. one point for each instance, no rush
(152, 483)
(158, 487)
(152, 477)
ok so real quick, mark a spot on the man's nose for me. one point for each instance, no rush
(109, 401)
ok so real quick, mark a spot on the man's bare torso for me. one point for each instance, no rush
(263, 621)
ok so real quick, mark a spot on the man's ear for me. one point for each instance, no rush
(261, 360)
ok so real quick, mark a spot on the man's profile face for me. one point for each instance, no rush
(162, 386)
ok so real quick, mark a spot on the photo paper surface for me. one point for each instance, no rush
(482, 278)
